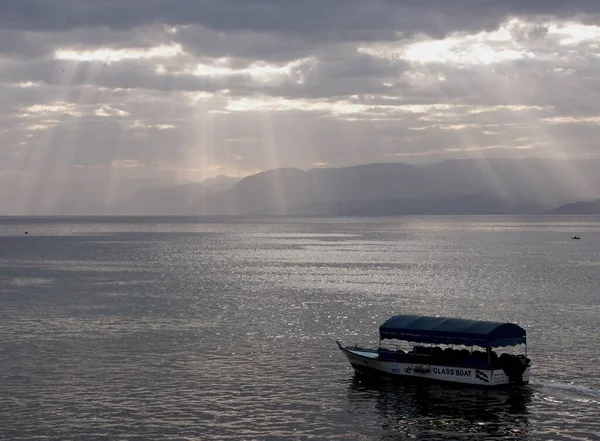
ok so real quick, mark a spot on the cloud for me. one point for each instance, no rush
(109, 55)
(335, 17)
(125, 163)
(196, 88)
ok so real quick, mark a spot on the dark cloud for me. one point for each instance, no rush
(255, 84)
(336, 19)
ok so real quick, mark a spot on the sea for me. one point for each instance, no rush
(224, 328)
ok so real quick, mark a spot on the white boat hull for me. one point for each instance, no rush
(367, 362)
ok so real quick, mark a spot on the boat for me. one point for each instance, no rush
(576, 238)
(441, 349)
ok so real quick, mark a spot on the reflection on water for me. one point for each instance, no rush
(439, 411)
(222, 330)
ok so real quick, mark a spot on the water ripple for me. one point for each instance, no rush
(213, 330)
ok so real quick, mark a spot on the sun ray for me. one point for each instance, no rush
(487, 93)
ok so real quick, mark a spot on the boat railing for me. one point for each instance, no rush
(446, 357)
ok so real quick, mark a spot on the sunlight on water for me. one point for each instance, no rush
(209, 329)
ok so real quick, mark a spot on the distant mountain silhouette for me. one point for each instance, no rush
(592, 207)
(457, 186)
(220, 183)
(470, 186)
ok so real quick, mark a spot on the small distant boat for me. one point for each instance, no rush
(432, 354)
(575, 238)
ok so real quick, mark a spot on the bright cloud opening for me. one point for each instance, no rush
(51, 109)
(109, 55)
(138, 124)
(508, 43)
(573, 120)
(125, 163)
(354, 111)
(481, 48)
(259, 71)
(107, 111)
(574, 33)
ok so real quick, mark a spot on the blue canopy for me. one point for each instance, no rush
(452, 331)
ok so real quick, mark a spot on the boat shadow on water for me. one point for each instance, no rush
(408, 410)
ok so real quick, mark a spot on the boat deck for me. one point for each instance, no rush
(455, 358)
(369, 353)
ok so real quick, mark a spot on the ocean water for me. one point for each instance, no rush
(224, 328)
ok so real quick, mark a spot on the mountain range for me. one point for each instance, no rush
(490, 186)
(469, 186)
(591, 207)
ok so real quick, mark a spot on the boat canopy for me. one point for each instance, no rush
(452, 331)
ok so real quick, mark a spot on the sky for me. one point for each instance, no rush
(192, 89)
